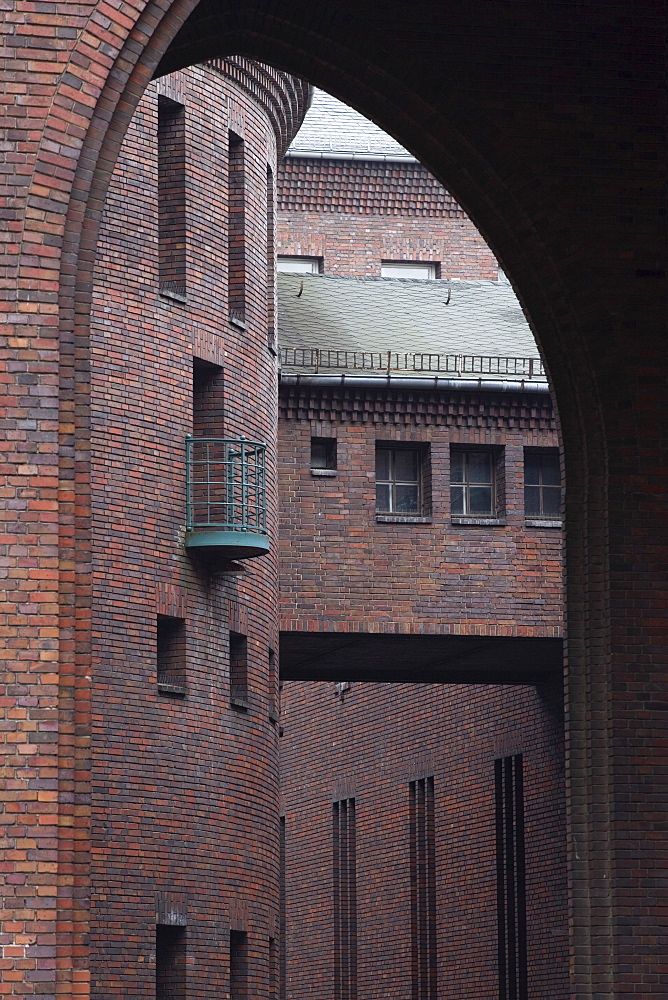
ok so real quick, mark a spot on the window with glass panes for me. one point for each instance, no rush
(472, 483)
(542, 483)
(398, 486)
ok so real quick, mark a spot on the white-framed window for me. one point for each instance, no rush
(299, 265)
(421, 269)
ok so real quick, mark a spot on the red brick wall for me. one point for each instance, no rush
(354, 214)
(339, 564)
(549, 131)
(342, 568)
(176, 811)
(369, 746)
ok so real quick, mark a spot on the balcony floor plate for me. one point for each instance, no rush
(228, 544)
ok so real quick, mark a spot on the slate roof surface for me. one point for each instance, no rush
(482, 319)
(331, 127)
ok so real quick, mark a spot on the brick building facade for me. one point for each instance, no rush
(350, 200)
(184, 856)
(410, 539)
(549, 130)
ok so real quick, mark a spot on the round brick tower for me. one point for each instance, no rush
(184, 865)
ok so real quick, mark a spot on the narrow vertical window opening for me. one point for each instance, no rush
(424, 968)
(170, 962)
(208, 399)
(172, 219)
(510, 878)
(171, 655)
(345, 900)
(237, 230)
(238, 670)
(238, 965)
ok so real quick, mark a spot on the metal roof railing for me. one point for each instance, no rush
(316, 359)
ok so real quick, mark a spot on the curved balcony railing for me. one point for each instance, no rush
(226, 500)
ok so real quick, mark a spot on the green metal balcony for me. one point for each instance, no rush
(226, 501)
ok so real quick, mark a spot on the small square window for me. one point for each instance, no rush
(542, 483)
(399, 481)
(472, 483)
(323, 453)
(421, 269)
(299, 265)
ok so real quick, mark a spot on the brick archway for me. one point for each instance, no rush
(472, 93)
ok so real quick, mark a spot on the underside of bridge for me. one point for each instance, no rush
(420, 659)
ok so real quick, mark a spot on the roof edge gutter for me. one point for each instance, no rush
(402, 382)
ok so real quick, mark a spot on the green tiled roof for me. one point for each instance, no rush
(481, 318)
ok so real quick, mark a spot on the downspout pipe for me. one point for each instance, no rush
(404, 382)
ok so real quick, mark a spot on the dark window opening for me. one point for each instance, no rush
(238, 670)
(424, 970)
(510, 878)
(400, 480)
(237, 230)
(171, 655)
(323, 453)
(208, 399)
(238, 965)
(345, 900)
(473, 483)
(172, 221)
(542, 483)
(170, 962)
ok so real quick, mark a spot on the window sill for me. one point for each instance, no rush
(323, 472)
(478, 522)
(543, 522)
(173, 294)
(171, 689)
(239, 703)
(402, 519)
(235, 321)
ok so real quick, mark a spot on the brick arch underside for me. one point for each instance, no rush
(481, 118)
